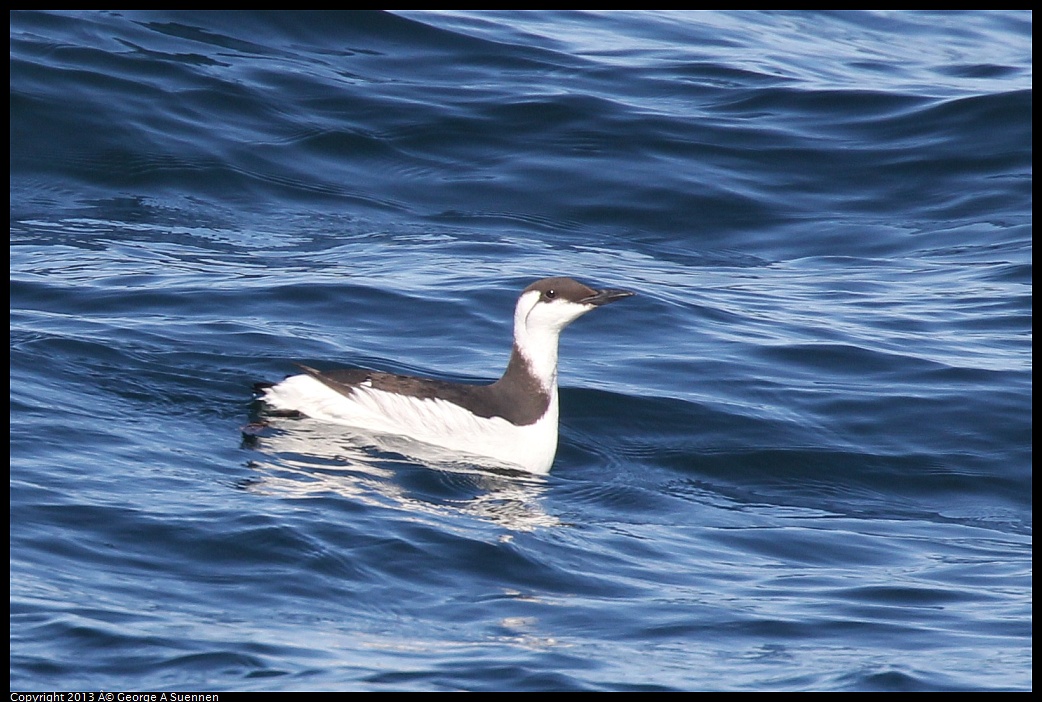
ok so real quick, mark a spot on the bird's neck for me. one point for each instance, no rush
(536, 355)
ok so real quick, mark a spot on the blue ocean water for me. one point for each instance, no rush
(798, 459)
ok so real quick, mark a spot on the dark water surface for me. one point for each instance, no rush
(799, 459)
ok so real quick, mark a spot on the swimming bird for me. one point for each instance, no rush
(513, 421)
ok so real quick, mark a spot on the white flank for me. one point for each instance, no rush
(436, 422)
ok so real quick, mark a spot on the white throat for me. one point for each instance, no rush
(537, 332)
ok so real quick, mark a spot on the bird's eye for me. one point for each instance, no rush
(550, 294)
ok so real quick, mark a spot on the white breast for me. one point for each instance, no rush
(435, 422)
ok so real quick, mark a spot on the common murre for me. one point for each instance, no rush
(512, 421)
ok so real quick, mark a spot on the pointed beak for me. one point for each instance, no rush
(603, 297)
